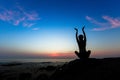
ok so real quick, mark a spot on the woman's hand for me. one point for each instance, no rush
(76, 29)
(83, 28)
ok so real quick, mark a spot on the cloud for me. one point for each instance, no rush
(29, 16)
(28, 24)
(19, 16)
(35, 29)
(115, 22)
(109, 24)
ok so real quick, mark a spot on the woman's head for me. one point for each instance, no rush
(80, 37)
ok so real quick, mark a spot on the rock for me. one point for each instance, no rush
(89, 69)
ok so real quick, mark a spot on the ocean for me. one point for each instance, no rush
(34, 60)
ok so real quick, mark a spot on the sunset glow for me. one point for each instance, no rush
(45, 28)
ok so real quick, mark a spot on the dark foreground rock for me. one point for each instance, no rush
(91, 69)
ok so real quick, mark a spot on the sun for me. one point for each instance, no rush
(54, 54)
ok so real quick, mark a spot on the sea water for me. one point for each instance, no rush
(34, 60)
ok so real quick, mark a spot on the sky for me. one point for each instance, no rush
(45, 28)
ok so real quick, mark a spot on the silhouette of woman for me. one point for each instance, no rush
(81, 41)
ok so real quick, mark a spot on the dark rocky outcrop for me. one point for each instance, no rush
(89, 69)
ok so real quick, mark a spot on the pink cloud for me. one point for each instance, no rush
(35, 29)
(100, 29)
(19, 17)
(95, 21)
(115, 22)
(89, 18)
(109, 24)
(28, 24)
(5, 16)
(32, 16)
(17, 22)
